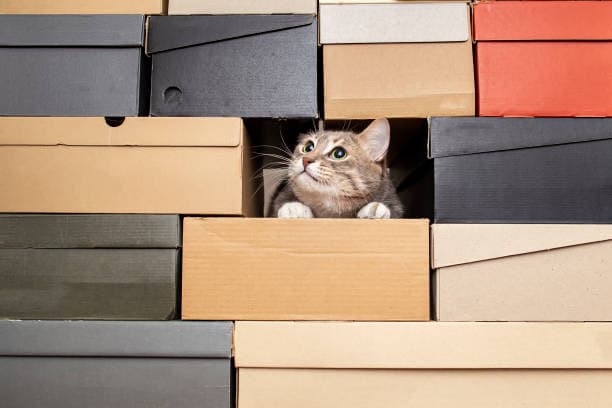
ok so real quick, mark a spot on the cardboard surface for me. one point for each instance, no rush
(146, 165)
(242, 7)
(82, 7)
(273, 269)
(234, 65)
(394, 23)
(364, 81)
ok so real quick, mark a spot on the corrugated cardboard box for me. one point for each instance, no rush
(522, 170)
(316, 269)
(89, 266)
(417, 61)
(544, 58)
(73, 65)
(82, 7)
(522, 272)
(234, 65)
(119, 364)
(423, 365)
(242, 7)
(143, 165)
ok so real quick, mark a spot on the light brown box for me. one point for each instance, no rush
(242, 7)
(83, 6)
(316, 269)
(513, 272)
(423, 365)
(145, 165)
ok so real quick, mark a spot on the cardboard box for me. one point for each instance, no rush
(143, 165)
(417, 63)
(316, 269)
(242, 7)
(73, 65)
(83, 7)
(89, 266)
(544, 58)
(119, 364)
(423, 364)
(522, 170)
(492, 272)
(234, 65)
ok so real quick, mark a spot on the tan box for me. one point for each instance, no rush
(423, 365)
(514, 272)
(397, 60)
(242, 7)
(144, 165)
(316, 269)
(83, 6)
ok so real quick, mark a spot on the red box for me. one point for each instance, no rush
(544, 58)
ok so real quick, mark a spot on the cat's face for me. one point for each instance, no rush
(340, 164)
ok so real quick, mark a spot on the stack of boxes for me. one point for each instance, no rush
(129, 160)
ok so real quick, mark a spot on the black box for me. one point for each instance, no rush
(234, 65)
(55, 364)
(122, 267)
(522, 170)
(73, 65)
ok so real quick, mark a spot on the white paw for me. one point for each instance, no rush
(374, 210)
(294, 210)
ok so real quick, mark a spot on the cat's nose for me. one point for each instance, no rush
(306, 161)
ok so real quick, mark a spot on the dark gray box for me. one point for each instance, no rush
(122, 267)
(522, 170)
(115, 364)
(234, 65)
(72, 65)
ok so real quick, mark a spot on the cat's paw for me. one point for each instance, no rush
(374, 210)
(294, 210)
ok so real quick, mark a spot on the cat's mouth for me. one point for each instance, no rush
(307, 174)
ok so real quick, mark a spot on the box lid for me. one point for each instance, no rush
(132, 131)
(242, 7)
(394, 23)
(116, 339)
(62, 30)
(89, 231)
(455, 244)
(464, 135)
(543, 20)
(432, 345)
(82, 7)
(172, 32)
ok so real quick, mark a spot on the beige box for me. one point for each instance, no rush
(423, 365)
(143, 165)
(497, 272)
(397, 60)
(242, 7)
(83, 6)
(315, 269)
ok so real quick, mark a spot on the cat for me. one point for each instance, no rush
(339, 174)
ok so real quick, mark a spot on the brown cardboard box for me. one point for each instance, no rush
(83, 7)
(316, 269)
(423, 365)
(397, 60)
(514, 272)
(242, 7)
(144, 165)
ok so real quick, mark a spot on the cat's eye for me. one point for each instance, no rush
(338, 153)
(308, 147)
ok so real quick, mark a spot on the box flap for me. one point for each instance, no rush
(394, 23)
(433, 345)
(464, 135)
(543, 20)
(116, 339)
(454, 244)
(63, 30)
(133, 131)
(242, 7)
(89, 231)
(82, 7)
(172, 32)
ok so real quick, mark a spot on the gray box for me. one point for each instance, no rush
(234, 65)
(115, 364)
(122, 267)
(73, 65)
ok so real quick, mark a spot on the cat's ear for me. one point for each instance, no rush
(375, 139)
